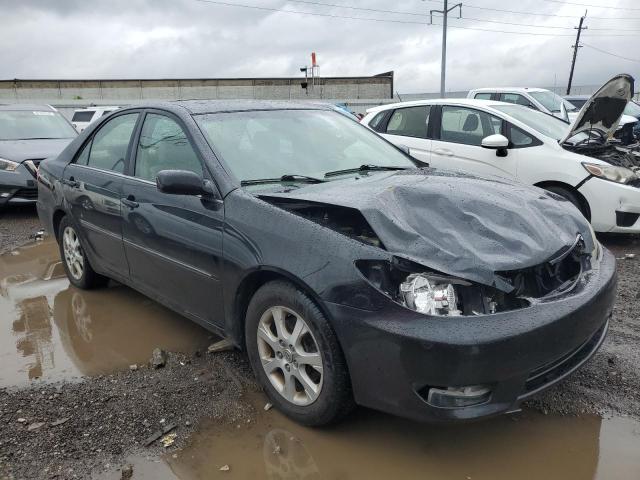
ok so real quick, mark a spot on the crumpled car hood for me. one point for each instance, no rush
(605, 107)
(456, 223)
(21, 150)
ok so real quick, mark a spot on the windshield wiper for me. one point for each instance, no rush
(363, 168)
(283, 178)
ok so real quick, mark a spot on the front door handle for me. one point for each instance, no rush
(443, 151)
(130, 202)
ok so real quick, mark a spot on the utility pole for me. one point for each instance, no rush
(443, 63)
(575, 50)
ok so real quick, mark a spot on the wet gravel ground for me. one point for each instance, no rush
(68, 430)
(16, 226)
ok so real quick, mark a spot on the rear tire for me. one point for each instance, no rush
(76, 264)
(305, 375)
(570, 196)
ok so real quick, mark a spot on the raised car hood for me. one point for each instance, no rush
(21, 150)
(456, 223)
(603, 110)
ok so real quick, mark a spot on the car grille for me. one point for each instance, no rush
(26, 194)
(552, 371)
(32, 165)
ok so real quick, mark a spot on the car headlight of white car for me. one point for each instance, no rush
(610, 172)
(7, 165)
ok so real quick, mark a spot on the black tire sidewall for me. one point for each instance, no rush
(335, 398)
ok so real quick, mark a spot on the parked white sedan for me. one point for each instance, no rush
(578, 162)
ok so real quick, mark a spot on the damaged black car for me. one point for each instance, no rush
(350, 272)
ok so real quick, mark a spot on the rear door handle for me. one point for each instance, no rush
(443, 151)
(130, 202)
(71, 183)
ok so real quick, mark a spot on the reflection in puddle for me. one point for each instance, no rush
(53, 331)
(528, 446)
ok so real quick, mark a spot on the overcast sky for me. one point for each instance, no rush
(191, 38)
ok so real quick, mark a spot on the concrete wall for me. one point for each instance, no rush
(118, 92)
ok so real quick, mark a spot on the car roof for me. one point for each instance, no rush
(509, 89)
(199, 107)
(26, 107)
(97, 107)
(471, 102)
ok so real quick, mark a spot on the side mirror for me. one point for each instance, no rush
(496, 142)
(180, 182)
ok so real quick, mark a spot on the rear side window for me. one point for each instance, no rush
(376, 121)
(483, 96)
(109, 145)
(164, 146)
(409, 122)
(84, 116)
(467, 125)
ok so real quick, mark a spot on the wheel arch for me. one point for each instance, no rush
(250, 284)
(554, 183)
(58, 215)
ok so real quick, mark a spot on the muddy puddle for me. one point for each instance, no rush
(52, 331)
(370, 445)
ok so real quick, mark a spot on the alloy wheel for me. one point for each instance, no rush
(73, 255)
(289, 355)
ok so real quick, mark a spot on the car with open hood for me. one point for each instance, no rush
(350, 272)
(581, 162)
(28, 135)
(628, 130)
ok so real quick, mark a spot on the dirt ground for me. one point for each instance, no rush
(69, 429)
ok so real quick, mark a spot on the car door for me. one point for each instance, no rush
(407, 126)
(457, 142)
(173, 242)
(93, 187)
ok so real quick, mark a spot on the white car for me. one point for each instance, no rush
(82, 117)
(536, 98)
(485, 137)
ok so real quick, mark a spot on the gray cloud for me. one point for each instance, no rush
(188, 38)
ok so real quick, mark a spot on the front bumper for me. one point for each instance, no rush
(612, 204)
(396, 355)
(18, 187)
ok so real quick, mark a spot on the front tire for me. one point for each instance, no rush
(296, 356)
(75, 261)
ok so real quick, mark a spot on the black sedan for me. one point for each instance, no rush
(350, 272)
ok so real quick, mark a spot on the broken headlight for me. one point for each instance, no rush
(611, 172)
(429, 296)
(432, 293)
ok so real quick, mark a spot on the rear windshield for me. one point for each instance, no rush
(84, 116)
(34, 124)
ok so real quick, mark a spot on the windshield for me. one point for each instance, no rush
(632, 109)
(32, 124)
(545, 124)
(551, 101)
(269, 144)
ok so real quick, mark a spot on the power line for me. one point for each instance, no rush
(388, 20)
(609, 53)
(520, 12)
(591, 5)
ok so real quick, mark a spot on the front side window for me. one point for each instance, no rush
(409, 122)
(164, 146)
(270, 144)
(515, 98)
(109, 145)
(34, 124)
(468, 126)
